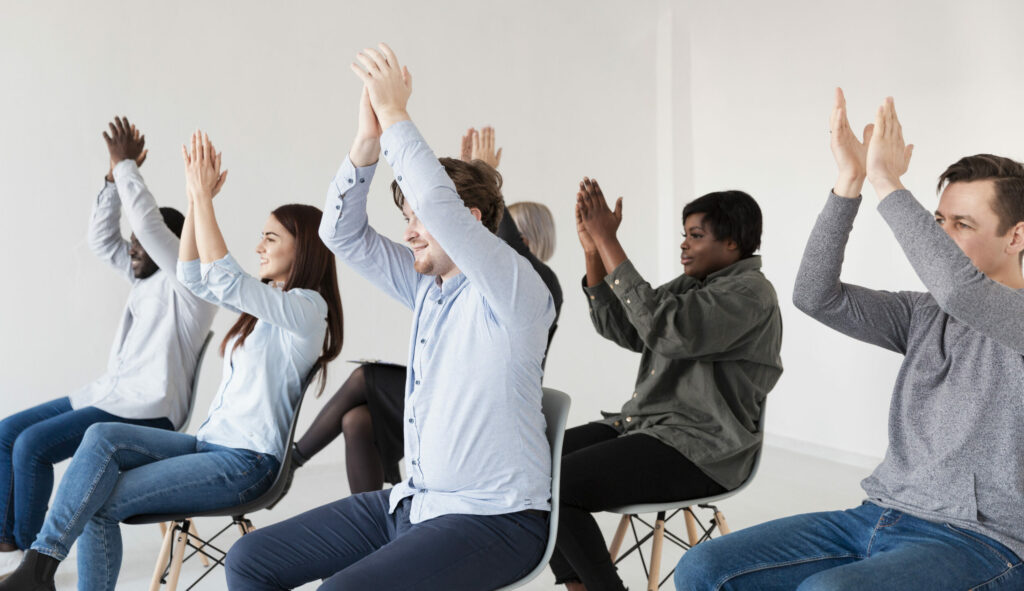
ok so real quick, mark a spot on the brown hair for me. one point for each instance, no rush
(314, 269)
(477, 183)
(1007, 176)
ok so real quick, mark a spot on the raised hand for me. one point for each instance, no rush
(586, 241)
(849, 152)
(483, 147)
(389, 84)
(888, 157)
(466, 152)
(203, 177)
(599, 221)
(123, 143)
(366, 147)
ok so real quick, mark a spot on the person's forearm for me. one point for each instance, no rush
(188, 251)
(611, 253)
(364, 152)
(849, 185)
(389, 118)
(209, 240)
(595, 269)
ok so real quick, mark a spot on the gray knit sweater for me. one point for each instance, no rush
(956, 420)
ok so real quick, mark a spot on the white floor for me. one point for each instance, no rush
(787, 483)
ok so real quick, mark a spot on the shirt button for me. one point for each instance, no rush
(415, 463)
(338, 207)
(399, 178)
(616, 282)
(423, 341)
(652, 372)
(629, 419)
(617, 423)
(412, 420)
(593, 297)
(417, 382)
(634, 394)
(627, 300)
(362, 180)
(350, 181)
(385, 152)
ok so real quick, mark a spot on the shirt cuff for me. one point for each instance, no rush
(396, 137)
(598, 295)
(188, 272)
(227, 265)
(624, 279)
(349, 177)
(125, 167)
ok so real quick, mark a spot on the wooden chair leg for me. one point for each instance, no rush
(691, 527)
(178, 555)
(202, 554)
(620, 533)
(163, 528)
(723, 525)
(656, 543)
(161, 559)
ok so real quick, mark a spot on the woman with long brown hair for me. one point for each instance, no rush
(290, 324)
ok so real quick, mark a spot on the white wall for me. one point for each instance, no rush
(567, 85)
(661, 101)
(762, 82)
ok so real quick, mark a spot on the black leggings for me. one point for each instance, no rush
(602, 470)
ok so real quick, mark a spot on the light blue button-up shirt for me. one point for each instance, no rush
(153, 358)
(262, 379)
(474, 432)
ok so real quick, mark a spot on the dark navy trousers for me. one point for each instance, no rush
(355, 544)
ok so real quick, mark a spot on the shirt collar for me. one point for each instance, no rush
(741, 266)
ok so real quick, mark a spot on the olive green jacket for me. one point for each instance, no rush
(710, 356)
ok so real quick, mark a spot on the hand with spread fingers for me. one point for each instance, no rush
(124, 143)
(388, 84)
(849, 152)
(888, 157)
(479, 145)
(600, 222)
(586, 241)
(203, 177)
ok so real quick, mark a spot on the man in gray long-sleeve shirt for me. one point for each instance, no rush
(945, 508)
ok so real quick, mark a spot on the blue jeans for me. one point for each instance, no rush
(125, 470)
(31, 442)
(864, 548)
(355, 544)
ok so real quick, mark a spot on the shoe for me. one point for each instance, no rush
(10, 561)
(35, 573)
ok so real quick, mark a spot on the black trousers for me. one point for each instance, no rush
(602, 470)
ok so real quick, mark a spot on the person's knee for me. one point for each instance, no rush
(243, 561)
(9, 433)
(700, 569)
(356, 424)
(30, 447)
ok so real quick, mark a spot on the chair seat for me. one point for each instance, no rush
(659, 507)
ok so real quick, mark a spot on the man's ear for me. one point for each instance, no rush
(476, 213)
(1016, 244)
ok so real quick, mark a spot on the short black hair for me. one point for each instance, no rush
(174, 220)
(730, 215)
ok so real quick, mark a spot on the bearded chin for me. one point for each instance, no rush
(422, 267)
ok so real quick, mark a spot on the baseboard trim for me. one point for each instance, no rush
(825, 452)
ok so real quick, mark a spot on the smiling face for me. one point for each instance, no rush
(277, 252)
(430, 259)
(966, 214)
(702, 253)
(142, 265)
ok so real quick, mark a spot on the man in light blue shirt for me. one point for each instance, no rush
(472, 512)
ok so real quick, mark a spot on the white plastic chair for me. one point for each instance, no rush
(555, 406)
(696, 532)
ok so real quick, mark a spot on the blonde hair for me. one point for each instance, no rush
(537, 227)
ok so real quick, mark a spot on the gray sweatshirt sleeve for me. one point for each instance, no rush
(960, 289)
(878, 317)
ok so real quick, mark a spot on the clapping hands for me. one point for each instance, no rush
(124, 142)
(888, 157)
(203, 177)
(595, 221)
(387, 84)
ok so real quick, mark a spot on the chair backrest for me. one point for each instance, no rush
(555, 406)
(193, 393)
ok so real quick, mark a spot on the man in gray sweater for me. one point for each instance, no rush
(945, 508)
